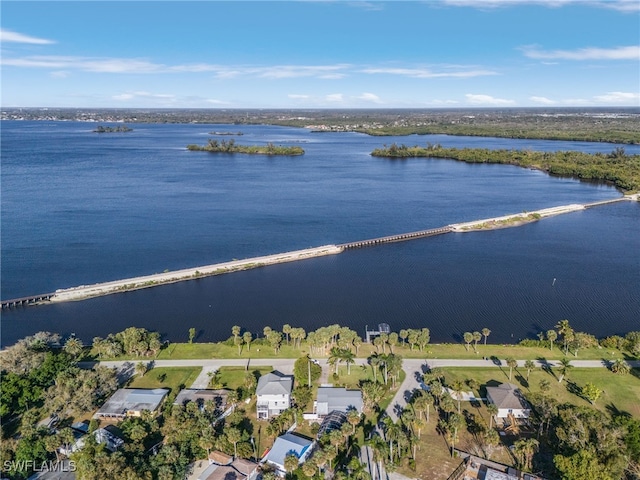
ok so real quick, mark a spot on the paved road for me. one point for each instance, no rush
(414, 369)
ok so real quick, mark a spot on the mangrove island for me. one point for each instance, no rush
(618, 168)
(215, 146)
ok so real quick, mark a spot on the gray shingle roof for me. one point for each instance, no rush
(341, 399)
(274, 383)
(507, 395)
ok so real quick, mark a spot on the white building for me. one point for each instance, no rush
(509, 400)
(274, 394)
(288, 444)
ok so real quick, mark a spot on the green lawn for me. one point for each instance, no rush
(442, 350)
(173, 378)
(619, 391)
(233, 377)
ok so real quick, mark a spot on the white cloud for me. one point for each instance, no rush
(618, 53)
(216, 102)
(60, 74)
(487, 100)
(620, 5)
(619, 97)
(140, 95)
(426, 73)
(543, 100)
(369, 97)
(7, 36)
(99, 65)
(334, 97)
(296, 96)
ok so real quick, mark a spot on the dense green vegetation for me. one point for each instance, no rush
(618, 168)
(118, 129)
(41, 381)
(214, 146)
(533, 131)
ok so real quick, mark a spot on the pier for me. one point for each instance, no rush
(118, 286)
(396, 238)
(23, 301)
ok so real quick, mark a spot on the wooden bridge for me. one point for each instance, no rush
(32, 300)
(396, 238)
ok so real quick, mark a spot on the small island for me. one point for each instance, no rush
(214, 146)
(118, 129)
(226, 133)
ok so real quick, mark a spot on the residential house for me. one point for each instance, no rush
(337, 399)
(509, 400)
(274, 394)
(224, 467)
(288, 444)
(131, 402)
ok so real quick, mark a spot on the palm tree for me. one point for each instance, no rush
(525, 449)
(566, 331)
(353, 417)
(511, 363)
(564, 367)
(234, 436)
(620, 367)
(458, 387)
(335, 356)
(552, 337)
(246, 338)
(73, 346)
(235, 331)
(486, 332)
(468, 338)
(477, 336)
(455, 423)
(492, 410)
(379, 449)
(286, 329)
(348, 357)
(141, 368)
(545, 386)
(529, 365)
(291, 462)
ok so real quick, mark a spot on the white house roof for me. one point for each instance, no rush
(286, 444)
(507, 396)
(274, 383)
(338, 398)
(132, 400)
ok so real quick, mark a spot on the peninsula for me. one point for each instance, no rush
(617, 167)
(214, 146)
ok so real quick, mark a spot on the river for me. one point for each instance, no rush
(81, 208)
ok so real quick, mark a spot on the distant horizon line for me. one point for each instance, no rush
(618, 107)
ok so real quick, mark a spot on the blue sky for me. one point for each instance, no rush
(320, 54)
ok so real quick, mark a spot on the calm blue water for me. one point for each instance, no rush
(81, 208)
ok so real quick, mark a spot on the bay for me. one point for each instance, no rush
(80, 208)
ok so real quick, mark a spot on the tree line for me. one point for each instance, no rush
(617, 167)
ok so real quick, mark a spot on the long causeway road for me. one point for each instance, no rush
(106, 288)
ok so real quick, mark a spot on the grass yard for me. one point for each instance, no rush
(619, 391)
(442, 350)
(233, 377)
(173, 378)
